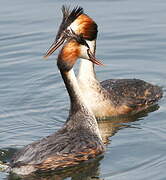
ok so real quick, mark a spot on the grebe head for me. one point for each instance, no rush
(80, 23)
(74, 48)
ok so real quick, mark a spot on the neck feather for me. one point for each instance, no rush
(86, 70)
(80, 115)
(72, 87)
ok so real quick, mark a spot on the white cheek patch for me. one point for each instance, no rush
(84, 49)
(92, 45)
(74, 26)
(83, 52)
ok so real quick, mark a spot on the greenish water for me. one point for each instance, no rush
(34, 102)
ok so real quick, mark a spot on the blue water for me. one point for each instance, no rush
(34, 102)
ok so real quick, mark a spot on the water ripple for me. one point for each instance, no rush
(34, 102)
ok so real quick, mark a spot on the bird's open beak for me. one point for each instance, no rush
(55, 46)
(93, 59)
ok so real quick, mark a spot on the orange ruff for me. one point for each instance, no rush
(70, 52)
(86, 26)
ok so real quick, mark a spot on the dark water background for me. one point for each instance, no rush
(34, 102)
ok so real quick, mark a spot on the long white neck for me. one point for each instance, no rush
(73, 88)
(94, 94)
(80, 114)
(86, 70)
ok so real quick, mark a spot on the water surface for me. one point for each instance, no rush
(34, 102)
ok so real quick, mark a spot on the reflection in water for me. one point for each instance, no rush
(85, 171)
(88, 170)
(108, 127)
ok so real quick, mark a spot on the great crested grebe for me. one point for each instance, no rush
(79, 139)
(111, 97)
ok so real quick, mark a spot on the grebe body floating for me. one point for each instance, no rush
(79, 139)
(111, 97)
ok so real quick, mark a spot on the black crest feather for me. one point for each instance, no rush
(68, 17)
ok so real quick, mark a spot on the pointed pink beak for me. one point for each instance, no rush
(93, 59)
